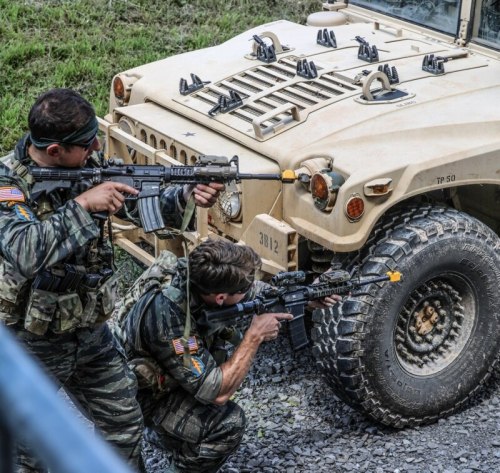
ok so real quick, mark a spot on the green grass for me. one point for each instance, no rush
(82, 44)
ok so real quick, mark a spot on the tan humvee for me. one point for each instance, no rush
(390, 108)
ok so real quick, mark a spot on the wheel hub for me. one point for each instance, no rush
(426, 319)
(429, 326)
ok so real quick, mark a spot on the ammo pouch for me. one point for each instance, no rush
(65, 299)
(99, 300)
(150, 376)
(41, 309)
(13, 288)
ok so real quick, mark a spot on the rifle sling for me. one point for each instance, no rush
(188, 214)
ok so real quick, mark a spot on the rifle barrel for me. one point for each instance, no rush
(53, 174)
(262, 177)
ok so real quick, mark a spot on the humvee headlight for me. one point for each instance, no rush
(122, 85)
(230, 203)
(118, 88)
(319, 187)
(324, 189)
(355, 207)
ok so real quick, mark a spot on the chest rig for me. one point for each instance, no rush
(77, 292)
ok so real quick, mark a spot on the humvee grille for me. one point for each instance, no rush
(273, 95)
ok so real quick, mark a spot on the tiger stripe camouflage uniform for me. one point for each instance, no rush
(177, 402)
(56, 291)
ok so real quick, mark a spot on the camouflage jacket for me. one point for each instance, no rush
(56, 261)
(152, 333)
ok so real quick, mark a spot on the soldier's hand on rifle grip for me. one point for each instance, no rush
(205, 195)
(325, 302)
(106, 197)
(265, 327)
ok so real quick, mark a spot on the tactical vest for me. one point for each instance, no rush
(66, 296)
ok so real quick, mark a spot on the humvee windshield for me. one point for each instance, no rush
(442, 15)
(488, 30)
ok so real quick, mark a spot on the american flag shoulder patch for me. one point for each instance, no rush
(179, 347)
(11, 194)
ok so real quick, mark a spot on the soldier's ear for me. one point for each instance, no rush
(54, 150)
(220, 298)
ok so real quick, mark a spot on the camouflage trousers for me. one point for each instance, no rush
(91, 368)
(199, 436)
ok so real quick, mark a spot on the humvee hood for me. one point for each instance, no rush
(267, 106)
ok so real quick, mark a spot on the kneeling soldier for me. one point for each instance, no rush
(184, 382)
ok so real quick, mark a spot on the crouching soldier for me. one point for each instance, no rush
(185, 385)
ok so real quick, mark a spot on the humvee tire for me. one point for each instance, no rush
(410, 353)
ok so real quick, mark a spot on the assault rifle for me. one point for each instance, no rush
(148, 180)
(287, 295)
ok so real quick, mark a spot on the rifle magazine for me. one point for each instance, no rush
(297, 332)
(150, 214)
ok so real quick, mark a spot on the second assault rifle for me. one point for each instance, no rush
(287, 295)
(148, 180)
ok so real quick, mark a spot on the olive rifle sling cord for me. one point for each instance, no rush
(188, 213)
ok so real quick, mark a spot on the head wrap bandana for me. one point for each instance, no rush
(82, 136)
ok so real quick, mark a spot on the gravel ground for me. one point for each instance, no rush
(296, 424)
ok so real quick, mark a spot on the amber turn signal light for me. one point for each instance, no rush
(355, 207)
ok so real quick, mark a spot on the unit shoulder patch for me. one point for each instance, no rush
(24, 212)
(197, 366)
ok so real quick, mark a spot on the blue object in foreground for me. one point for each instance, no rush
(29, 405)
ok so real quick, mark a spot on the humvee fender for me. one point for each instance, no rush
(386, 109)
